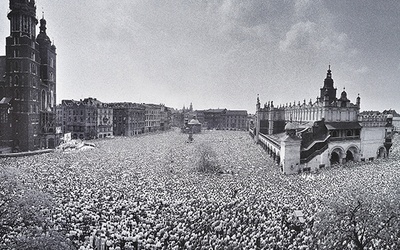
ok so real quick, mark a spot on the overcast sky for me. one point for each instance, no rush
(223, 53)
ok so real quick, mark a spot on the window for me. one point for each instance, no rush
(16, 67)
(17, 94)
(43, 100)
(16, 81)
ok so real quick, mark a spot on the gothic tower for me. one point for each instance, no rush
(47, 109)
(29, 80)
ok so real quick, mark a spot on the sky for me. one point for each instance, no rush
(223, 53)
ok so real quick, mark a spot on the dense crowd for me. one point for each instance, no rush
(145, 192)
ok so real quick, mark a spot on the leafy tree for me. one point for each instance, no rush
(25, 216)
(360, 222)
(207, 160)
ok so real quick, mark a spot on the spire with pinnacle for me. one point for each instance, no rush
(43, 24)
(329, 74)
(328, 90)
(42, 38)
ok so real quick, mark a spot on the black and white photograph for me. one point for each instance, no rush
(199, 124)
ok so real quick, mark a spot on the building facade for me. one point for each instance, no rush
(155, 118)
(310, 135)
(28, 85)
(236, 120)
(214, 118)
(129, 119)
(86, 119)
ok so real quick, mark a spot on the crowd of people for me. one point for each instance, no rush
(145, 193)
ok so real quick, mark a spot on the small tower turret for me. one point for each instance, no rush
(258, 103)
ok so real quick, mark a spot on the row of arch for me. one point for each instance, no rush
(272, 151)
(339, 156)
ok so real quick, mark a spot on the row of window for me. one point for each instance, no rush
(16, 53)
(345, 133)
(23, 23)
(16, 67)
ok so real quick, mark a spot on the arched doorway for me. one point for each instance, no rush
(352, 154)
(381, 153)
(349, 156)
(335, 158)
(51, 143)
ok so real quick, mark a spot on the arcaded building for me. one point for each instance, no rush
(307, 136)
(27, 83)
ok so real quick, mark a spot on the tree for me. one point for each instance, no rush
(360, 222)
(207, 159)
(25, 216)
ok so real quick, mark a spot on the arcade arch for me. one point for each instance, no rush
(381, 153)
(336, 155)
(352, 153)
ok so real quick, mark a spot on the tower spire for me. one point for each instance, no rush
(329, 74)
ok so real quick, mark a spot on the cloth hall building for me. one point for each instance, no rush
(310, 135)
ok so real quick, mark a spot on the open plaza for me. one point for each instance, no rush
(146, 193)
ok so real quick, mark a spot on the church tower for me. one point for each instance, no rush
(47, 90)
(328, 92)
(29, 85)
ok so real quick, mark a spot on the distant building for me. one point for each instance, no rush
(194, 126)
(396, 119)
(27, 83)
(223, 119)
(129, 118)
(86, 119)
(310, 135)
(236, 120)
(157, 117)
(166, 119)
(215, 118)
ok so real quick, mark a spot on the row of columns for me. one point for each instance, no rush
(271, 152)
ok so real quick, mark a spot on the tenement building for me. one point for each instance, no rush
(157, 117)
(236, 120)
(27, 83)
(307, 136)
(129, 118)
(86, 119)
